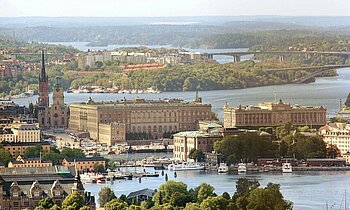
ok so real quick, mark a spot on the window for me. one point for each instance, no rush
(15, 194)
(36, 194)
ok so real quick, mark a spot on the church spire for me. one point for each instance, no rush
(43, 77)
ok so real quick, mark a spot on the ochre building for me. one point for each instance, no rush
(274, 114)
(110, 122)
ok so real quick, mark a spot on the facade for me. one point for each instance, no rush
(141, 195)
(337, 134)
(187, 140)
(20, 133)
(273, 114)
(84, 163)
(112, 133)
(28, 162)
(154, 117)
(23, 188)
(51, 116)
(19, 148)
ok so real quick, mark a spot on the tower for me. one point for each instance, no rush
(43, 99)
(58, 96)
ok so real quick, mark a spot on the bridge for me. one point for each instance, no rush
(237, 55)
(317, 70)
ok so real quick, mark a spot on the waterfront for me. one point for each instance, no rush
(307, 190)
(325, 91)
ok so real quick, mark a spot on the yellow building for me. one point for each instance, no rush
(84, 163)
(19, 148)
(140, 116)
(273, 114)
(337, 134)
(111, 133)
(20, 133)
(28, 162)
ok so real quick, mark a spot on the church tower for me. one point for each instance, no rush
(58, 96)
(43, 99)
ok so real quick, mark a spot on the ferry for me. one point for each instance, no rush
(185, 166)
(223, 168)
(287, 168)
(242, 168)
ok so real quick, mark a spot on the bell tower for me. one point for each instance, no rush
(43, 99)
(58, 97)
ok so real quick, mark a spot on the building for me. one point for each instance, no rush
(138, 116)
(54, 116)
(337, 134)
(10, 110)
(20, 133)
(202, 140)
(23, 188)
(141, 195)
(84, 163)
(274, 114)
(28, 162)
(19, 148)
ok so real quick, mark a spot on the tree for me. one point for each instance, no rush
(73, 201)
(347, 102)
(116, 204)
(72, 153)
(5, 156)
(204, 191)
(226, 195)
(33, 152)
(192, 206)
(98, 167)
(332, 151)
(196, 155)
(214, 203)
(85, 208)
(55, 207)
(166, 190)
(46, 203)
(179, 199)
(244, 186)
(105, 195)
(284, 130)
(269, 197)
(134, 207)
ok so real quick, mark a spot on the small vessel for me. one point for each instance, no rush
(287, 168)
(185, 166)
(223, 168)
(242, 168)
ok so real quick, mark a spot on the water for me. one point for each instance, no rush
(307, 190)
(326, 92)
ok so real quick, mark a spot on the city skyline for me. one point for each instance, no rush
(166, 8)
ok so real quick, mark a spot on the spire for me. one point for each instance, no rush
(42, 76)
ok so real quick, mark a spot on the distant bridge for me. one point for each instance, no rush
(237, 55)
(317, 70)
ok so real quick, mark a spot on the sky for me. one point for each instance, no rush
(166, 8)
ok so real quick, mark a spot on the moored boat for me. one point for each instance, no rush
(223, 168)
(185, 166)
(242, 168)
(287, 168)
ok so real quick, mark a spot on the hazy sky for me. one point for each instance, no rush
(147, 8)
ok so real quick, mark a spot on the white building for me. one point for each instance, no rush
(337, 134)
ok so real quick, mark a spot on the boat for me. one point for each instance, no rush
(223, 168)
(242, 168)
(287, 168)
(185, 166)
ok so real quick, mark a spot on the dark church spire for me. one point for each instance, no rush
(43, 77)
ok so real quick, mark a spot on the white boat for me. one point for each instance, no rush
(242, 168)
(287, 168)
(223, 168)
(185, 166)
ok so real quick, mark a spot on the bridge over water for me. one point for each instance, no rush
(315, 71)
(237, 55)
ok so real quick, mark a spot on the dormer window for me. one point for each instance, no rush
(15, 194)
(36, 194)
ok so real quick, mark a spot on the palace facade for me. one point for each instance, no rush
(110, 122)
(274, 114)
